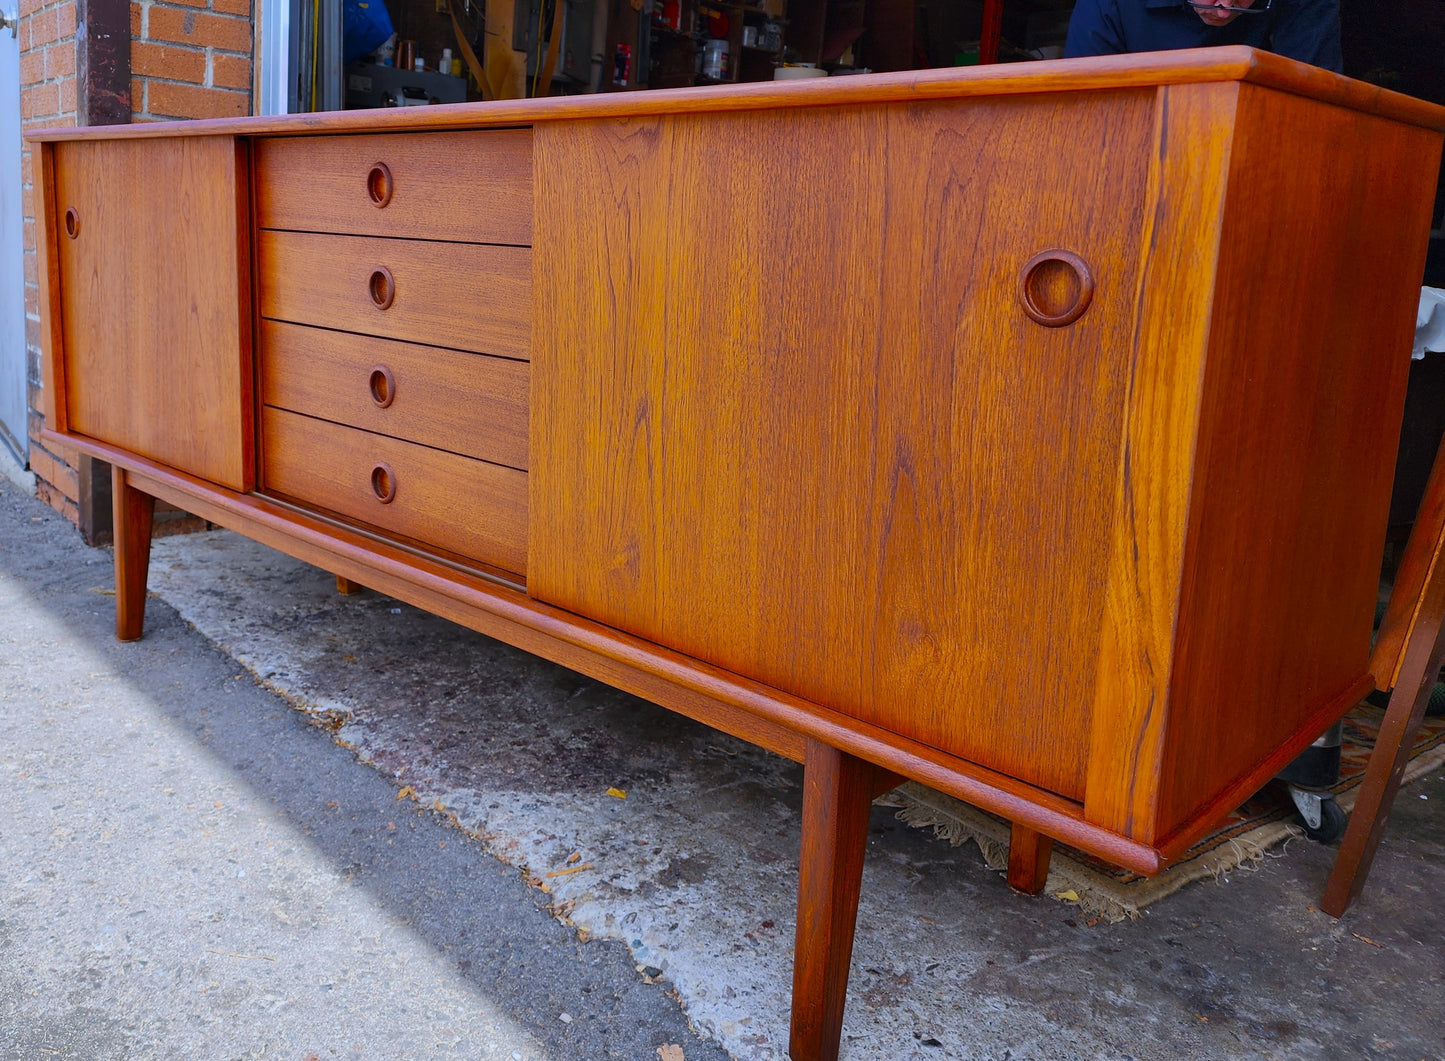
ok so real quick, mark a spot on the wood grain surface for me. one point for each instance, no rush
(812, 436)
(466, 403)
(474, 187)
(133, 512)
(467, 507)
(465, 296)
(153, 304)
(1303, 394)
(1028, 859)
(837, 795)
(47, 271)
(1095, 73)
(1192, 131)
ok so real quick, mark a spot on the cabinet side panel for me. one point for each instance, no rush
(52, 337)
(1321, 254)
(791, 418)
(152, 300)
(1192, 129)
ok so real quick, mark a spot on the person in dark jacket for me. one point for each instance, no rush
(1307, 30)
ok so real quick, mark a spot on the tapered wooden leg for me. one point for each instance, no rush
(1409, 649)
(345, 585)
(1028, 859)
(837, 792)
(1391, 754)
(133, 512)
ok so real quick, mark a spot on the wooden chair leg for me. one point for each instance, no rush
(1028, 859)
(1406, 660)
(1391, 754)
(345, 586)
(837, 791)
(133, 512)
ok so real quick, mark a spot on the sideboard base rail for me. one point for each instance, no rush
(735, 705)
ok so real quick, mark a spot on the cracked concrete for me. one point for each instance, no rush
(692, 874)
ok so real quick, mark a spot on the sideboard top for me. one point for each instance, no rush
(1058, 75)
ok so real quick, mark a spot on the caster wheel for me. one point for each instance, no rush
(1332, 823)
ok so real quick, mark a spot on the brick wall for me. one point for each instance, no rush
(47, 98)
(190, 58)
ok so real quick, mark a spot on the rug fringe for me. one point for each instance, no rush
(1097, 895)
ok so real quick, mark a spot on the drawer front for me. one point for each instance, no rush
(474, 187)
(470, 404)
(465, 296)
(455, 504)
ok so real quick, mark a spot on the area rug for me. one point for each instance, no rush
(1112, 894)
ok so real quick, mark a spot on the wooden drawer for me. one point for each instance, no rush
(454, 504)
(465, 296)
(470, 404)
(475, 187)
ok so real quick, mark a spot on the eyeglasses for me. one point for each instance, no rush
(1206, 5)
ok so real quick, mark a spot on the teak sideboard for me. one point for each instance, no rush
(1026, 431)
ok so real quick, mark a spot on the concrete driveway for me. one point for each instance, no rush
(294, 824)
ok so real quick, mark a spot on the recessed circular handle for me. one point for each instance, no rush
(379, 185)
(381, 287)
(1056, 287)
(72, 222)
(383, 386)
(383, 483)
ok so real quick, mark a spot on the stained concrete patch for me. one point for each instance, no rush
(695, 869)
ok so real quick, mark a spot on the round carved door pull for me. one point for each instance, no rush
(1056, 286)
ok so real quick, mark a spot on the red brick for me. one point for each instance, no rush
(135, 22)
(137, 94)
(67, 96)
(56, 473)
(148, 59)
(231, 71)
(60, 60)
(46, 121)
(55, 500)
(65, 16)
(232, 7)
(29, 7)
(39, 101)
(198, 30)
(32, 301)
(32, 68)
(185, 101)
(43, 29)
